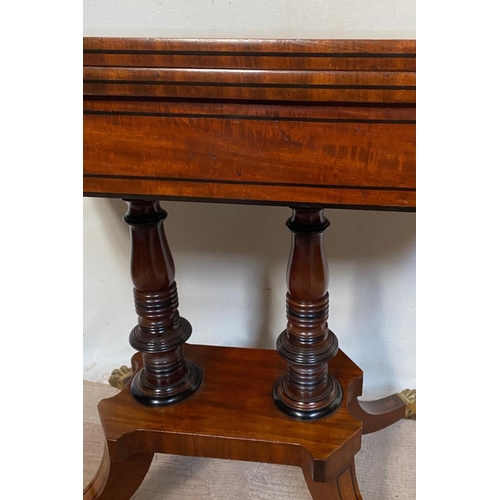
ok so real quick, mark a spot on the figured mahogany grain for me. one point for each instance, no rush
(244, 193)
(257, 46)
(233, 416)
(284, 70)
(364, 155)
(258, 121)
(251, 77)
(306, 123)
(252, 92)
(296, 111)
(342, 55)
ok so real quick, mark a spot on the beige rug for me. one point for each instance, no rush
(385, 467)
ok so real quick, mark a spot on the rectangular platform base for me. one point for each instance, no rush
(233, 416)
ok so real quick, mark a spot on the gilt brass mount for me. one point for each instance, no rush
(120, 377)
(409, 398)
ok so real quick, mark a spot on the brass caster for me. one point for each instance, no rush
(120, 376)
(409, 398)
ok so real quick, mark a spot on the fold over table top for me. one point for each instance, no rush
(315, 122)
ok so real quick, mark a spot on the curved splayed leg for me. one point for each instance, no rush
(379, 414)
(342, 486)
(118, 480)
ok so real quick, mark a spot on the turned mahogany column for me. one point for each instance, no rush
(160, 334)
(307, 391)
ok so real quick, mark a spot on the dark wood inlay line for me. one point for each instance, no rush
(363, 55)
(247, 201)
(250, 85)
(256, 102)
(259, 183)
(245, 117)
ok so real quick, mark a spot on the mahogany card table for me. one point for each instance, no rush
(304, 123)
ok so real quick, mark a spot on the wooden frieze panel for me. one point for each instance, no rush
(329, 122)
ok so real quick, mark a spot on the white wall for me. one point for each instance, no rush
(251, 18)
(231, 259)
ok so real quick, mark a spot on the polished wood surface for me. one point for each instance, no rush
(304, 123)
(160, 334)
(379, 414)
(232, 419)
(307, 391)
(374, 55)
(342, 486)
(118, 480)
(291, 70)
(329, 122)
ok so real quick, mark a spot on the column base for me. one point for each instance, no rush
(307, 411)
(151, 396)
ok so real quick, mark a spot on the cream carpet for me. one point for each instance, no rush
(385, 467)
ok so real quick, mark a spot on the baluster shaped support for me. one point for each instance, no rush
(307, 391)
(167, 377)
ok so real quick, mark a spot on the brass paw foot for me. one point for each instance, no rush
(120, 377)
(409, 398)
